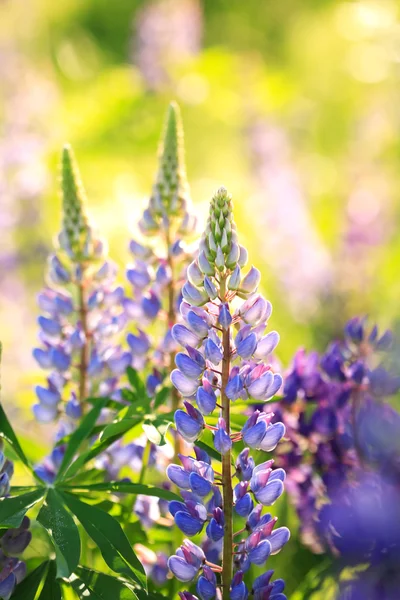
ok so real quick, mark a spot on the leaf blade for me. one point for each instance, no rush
(109, 536)
(79, 436)
(63, 533)
(125, 487)
(7, 432)
(13, 510)
(28, 588)
(92, 585)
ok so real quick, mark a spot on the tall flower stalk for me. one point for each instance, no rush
(225, 359)
(160, 259)
(82, 312)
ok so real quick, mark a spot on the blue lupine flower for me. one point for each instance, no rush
(245, 465)
(212, 352)
(189, 367)
(189, 424)
(187, 561)
(243, 501)
(222, 440)
(215, 528)
(207, 584)
(247, 347)
(239, 590)
(205, 398)
(214, 369)
(224, 317)
(187, 387)
(184, 336)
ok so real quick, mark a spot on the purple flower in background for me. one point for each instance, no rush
(333, 408)
(300, 260)
(167, 33)
(13, 541)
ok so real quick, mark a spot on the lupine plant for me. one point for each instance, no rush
(193, 315)
(160, 260)
(225, 359)
(82, 312)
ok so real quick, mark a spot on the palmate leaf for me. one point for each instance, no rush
(81, 434)
(97, 448)
(13, 510)
(125, 487)
(91, 585)
(63, 533)
(7, 432)
(110, 538)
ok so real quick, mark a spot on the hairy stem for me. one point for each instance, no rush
(226, 470)
(84, 358)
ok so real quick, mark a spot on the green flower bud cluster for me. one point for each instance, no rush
(170, 199)
(221, 258)
(76, 237)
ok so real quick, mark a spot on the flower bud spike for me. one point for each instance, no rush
(76, 232)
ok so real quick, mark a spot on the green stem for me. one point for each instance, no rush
(226, 469)
(145, 461)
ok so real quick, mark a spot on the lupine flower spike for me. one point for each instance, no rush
(161, 259)
(82, 311)
(224, 358)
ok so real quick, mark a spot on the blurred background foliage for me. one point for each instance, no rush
(293, 106)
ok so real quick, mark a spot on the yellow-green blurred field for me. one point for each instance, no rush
(293, 106)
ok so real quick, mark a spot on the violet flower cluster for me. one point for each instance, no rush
(225, 359)
(13, 541)
(161, 258)
(82, 312)
(349, 428)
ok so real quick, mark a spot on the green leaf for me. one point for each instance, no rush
(161, 397)
(126, 487)
(119, 428)
(92, 585)
(97, 448)
(110, 403)
(13, 510)
(28, 588)
(80, 435)
(63, 533)
(51, 589)
(156, 427)
(136, 382)
(7, 432)
(108, 535)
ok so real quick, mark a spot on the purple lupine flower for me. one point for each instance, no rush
(155, 276)
(333, 407)
(14, 540)
(76, 335)
(215, 368)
